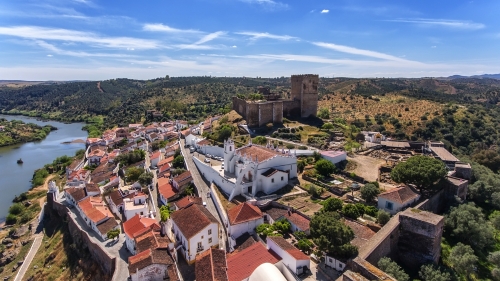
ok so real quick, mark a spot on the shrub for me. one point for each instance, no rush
(350, 211)
(324, 167)
(16, 209)
(393, 269)
(371, 211)
(290, 146)
(25, 218)
(383, 217)
(11, 219)
(302, 147)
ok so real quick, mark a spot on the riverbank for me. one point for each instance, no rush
(16, 132)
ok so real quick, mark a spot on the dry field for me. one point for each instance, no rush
(351, 107)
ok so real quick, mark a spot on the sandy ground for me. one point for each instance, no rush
(366, 167)
(45, 186)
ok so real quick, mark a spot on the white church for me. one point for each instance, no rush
(258, 168)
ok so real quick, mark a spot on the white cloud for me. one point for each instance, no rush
(234, 46)
(210, 37)
(197, 47)
(67, 35)
(260, 35)
(268, 4)
(325, 11)
(158, 27)
(355, 51)
(434, 46)
(59, 51)
(458, 24)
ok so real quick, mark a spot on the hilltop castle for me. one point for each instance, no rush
(303, 102)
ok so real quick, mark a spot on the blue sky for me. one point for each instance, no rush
(97, 39)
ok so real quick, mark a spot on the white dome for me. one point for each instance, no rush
(267, 272)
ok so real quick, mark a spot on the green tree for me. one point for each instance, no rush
(305, 245)
(178, 162)
(224, 132)
(133, 174)
(351, 211)
(113, 233)
(282, 226)
(10, 219)
(419, 170)
(324, 167)
(332, 205)
(264, 229)
(327, 126)
(383, 217)
(259, 140)
(16, 209)
(164, 213)
(146, 178)
(300, 235)
(393, 269)
(323, 113)
(369, 192)
(429, 272)
(329, 233)
(301, 164)
(467, 223)
(462, 259)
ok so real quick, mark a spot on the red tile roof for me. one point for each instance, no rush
(136, 224)
(192, 220)
(211, 266)
(203, 142)
(156, 154)
(298, 220)
(362, 233)
(183, 178)
(94, 209)
(243, 213)
(76, 193)
(289, 248)
(147, 258)
(241, 264)
(400, 195)
(188, 201)
(92, 187)
(165, 188)
(261, 153)
(97, 152)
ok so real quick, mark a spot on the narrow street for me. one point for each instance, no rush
(203, 189)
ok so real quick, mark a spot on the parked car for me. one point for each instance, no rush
(209, 156)
(207, 160)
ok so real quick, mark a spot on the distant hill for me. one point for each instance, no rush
(489, 76)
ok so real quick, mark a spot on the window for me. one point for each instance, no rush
(281, 178)
(199, 244)
(142, 213)
(230, 148)
(388, 205)
(340, 265)
(209, 232)
(272, 180)
(201, 237)
(210, 240)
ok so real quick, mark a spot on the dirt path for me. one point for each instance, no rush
(366, 166)
(45, 186)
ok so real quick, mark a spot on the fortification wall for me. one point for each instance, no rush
(265, 113)
(278, 112)
(383, 244)
(435, 204)
(252, 114)
(81, 238)
(240, 106)
(291, 108)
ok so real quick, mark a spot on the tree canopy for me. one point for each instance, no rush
(429, 272)
(324, 167)
(419, 170)
(133, 173)
(369, 192)
(462, 259)
(178, 162)
(332, 235)
(332, 205)
(393, 269)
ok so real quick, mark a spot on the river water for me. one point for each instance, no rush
(15, 178)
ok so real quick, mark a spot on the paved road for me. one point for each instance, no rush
(29, 257)
(203, 190)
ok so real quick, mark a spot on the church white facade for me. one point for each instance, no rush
(258, 168)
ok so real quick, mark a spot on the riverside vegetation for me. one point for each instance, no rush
(15, 131)
(59, 257)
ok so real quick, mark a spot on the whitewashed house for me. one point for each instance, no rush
(135, 227)
(334, 156)
(136, 205)
(97, 216)
(243, 218)
(196, 229)
(292, 257)
(397, 199)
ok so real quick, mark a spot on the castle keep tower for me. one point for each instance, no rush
(305, 90)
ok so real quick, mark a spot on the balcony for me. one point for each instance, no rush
(199, 249)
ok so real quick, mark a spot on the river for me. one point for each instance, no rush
(15, 178)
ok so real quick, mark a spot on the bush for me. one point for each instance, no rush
(383, 217)
(11, 219)
(369, 192)
(302, 147)
(332, 205)
(371, 211)
(16, 209)
(25, 218)
(324, 167)
(22, 197)
(290, 146)
(300, 235)
(350, 211)
(393, 269)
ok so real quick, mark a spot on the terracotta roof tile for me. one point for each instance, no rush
(137, 224)
(90, 207)
(203, 142)
(192, 220)
(211, 266)
(298, 220)
(276, 213)
(92, 187)
(259, 152)
(107, 226)
(76, 193)
(183, 178)
(188, 201)
(289, 248)
(147, 258)
(165, 188)
(241, 264)
(243, 213)
(400, 195)
(362, 233)
(156, 154)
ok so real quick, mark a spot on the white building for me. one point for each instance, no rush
(135, 206)
(334, 156)
(243, 218)
(135, 227)
(397, 199)
(196, 229)
(97, 216)
(292, 257)
(258, 168)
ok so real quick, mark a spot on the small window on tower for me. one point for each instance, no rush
(230, 148)
(272, 180)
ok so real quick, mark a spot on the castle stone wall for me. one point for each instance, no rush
(291, 108)
(240, 106)
(265, 113)
(252, 114)
(278, 112)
